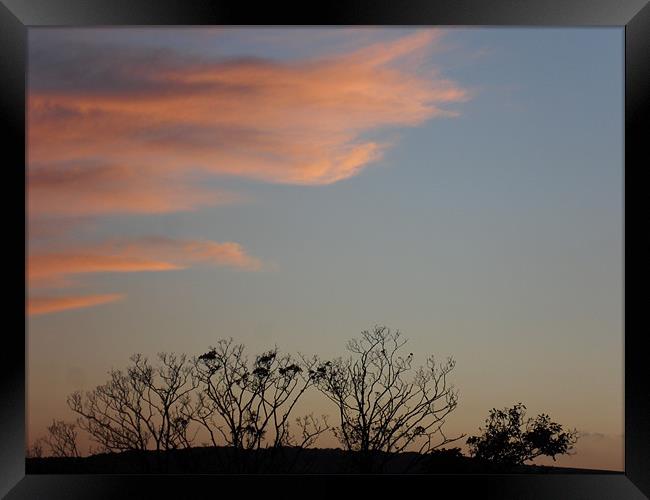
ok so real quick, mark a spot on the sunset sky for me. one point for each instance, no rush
(295, 186)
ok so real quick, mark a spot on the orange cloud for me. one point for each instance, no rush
(46, 305)
(55, 268)
(90, 190)
(133, 130)
(147, 127)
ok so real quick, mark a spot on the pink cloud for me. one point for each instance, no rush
(45, 305)
(56, 268)
(158, 125)
(90, 190)
(117, 130)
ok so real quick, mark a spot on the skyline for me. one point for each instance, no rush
(296, 186)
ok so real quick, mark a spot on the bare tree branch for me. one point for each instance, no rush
(142, 405)
(380, 410)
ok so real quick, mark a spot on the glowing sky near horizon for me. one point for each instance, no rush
(295, 186)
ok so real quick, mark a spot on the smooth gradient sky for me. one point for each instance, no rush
(296, 186)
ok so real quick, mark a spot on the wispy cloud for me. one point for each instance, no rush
(90, 190)
(45, 305)
(57, 268)
(297, 122)
(133, 129)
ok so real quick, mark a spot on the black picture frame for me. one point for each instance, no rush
(15, 18)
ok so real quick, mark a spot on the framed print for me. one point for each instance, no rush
(366, 245)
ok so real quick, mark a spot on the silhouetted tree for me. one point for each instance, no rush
(509, 438)
(310, 428)
(141, 405)
(380, 409)
(62, 439)
(250, 404)
(36, 449)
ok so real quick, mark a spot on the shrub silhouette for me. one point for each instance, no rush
(446, 453)
(511, 440)
(62, 439)
(36, 449)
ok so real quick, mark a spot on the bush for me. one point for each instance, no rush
(510, 439)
